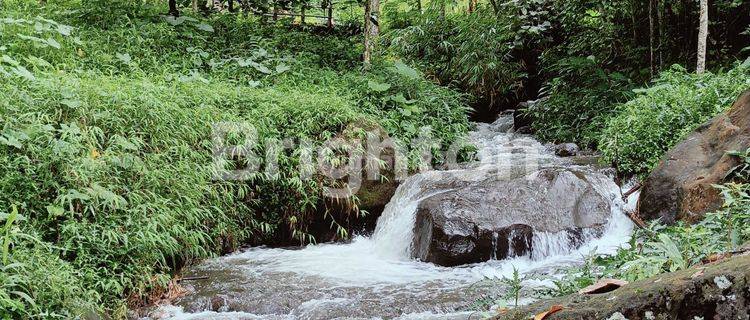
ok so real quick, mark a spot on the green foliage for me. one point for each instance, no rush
(471, 52)
(666, 249)
(660, 116)
(514, 285)
(106, 151)
(34, 281)
(576, 104)
(587, 70)
(658, 249)
(573, 61)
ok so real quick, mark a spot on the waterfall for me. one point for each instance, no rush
(498, 149)
(394, 231)
(493, 254)
(375, 276)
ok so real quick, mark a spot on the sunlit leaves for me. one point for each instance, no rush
(124, 57)
(204, 27)
(377, 86)
(176, 21)
(281, 68)
(401, 68)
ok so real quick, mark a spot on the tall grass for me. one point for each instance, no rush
(106, 150)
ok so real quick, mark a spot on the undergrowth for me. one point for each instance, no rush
(660, 116)
(106, 168)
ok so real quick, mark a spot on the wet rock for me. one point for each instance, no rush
(566, 149)
(668, 296)
(499, 217)
(524, 130)
(680, 188)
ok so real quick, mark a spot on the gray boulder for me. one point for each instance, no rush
(500, 217)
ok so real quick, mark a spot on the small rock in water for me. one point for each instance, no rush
(617, 316)
(566, 149)
(722, 282)
(524, 130)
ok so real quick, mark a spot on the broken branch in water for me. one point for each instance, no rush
(632, 190)
(635, 217)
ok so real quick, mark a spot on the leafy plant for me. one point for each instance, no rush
(514, 284)
(660, 116)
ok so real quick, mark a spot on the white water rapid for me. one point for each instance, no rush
(374, 277)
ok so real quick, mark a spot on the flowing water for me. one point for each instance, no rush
(374, 277)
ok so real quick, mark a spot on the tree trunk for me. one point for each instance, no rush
(372, 9)
(633, 13)
(231, 5)
(330, 14)
(195, 5)
(651, 35)
(662, 36)
(702, 37)
(472, 6)
(419, 5)
(173, 8)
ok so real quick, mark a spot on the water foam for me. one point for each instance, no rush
(383, 259)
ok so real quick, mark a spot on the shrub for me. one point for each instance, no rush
(34, 281)
(576, 104)
(658, 249)
(660, 116)
(105, 144)
(472, 53)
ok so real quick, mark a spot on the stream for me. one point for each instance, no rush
(374, 277)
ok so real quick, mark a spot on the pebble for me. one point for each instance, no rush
(722, 282)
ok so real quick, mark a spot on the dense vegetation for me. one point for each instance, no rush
(660, 116)
(567, 64)
(106, 169)
(107, 110)
(618, 77)
(658, 248)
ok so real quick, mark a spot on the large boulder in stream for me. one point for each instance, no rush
(498, 217)
(681, 186)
